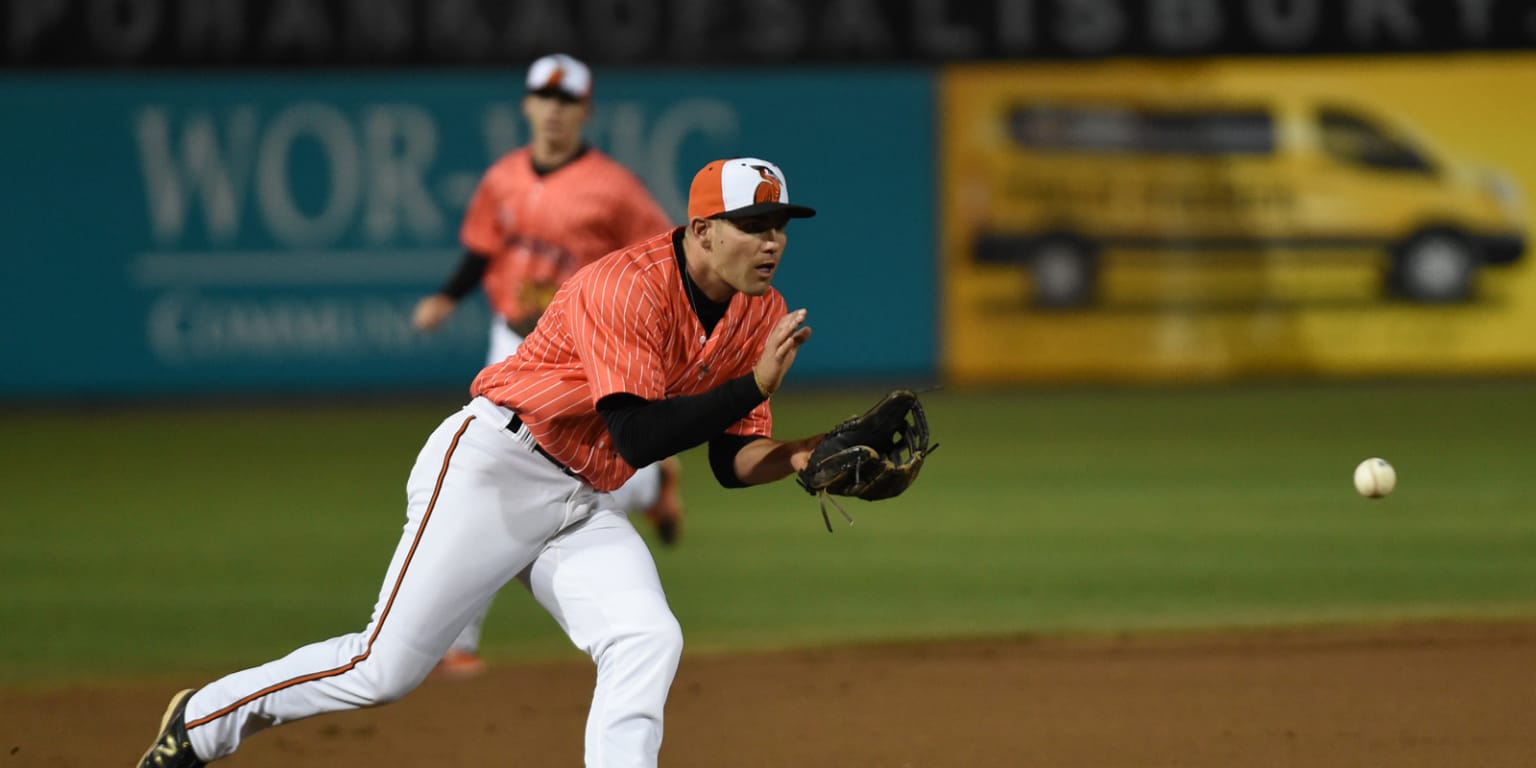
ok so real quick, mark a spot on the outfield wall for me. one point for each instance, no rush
(247, 232)
(235, 233)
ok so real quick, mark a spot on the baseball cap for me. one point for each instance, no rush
(739, 188)
(560, 75)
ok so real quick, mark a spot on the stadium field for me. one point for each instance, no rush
(153, 545)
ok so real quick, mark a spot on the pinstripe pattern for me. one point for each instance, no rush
(538, 230)
(624, 324)
(405, 567)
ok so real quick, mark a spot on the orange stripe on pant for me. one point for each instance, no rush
(383, 615)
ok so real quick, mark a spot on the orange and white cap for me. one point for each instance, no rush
(560, 75)
(741, 187)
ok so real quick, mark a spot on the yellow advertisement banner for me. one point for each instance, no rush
(1212, 219)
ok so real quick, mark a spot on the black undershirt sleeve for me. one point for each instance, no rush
(647, 431)
(466, 276)
(722, 457)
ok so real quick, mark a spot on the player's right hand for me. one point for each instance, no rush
(779, 351)
(431, 311)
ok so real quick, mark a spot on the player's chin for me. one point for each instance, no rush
(756, 284)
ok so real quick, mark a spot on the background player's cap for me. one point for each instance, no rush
(741, 187)
(560, 75)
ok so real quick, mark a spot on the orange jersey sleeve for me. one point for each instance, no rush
(538, 230)
(625, 325)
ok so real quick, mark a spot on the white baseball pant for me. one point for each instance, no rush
(636, 495)
(482, 508)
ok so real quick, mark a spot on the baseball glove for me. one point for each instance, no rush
(873, 456)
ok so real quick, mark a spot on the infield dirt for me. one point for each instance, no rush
(1443, 694)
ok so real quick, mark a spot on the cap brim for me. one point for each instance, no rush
(762, 209)
(552, 92)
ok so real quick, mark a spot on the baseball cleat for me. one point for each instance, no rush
(666, 515)
(458, 665)
(172, 749)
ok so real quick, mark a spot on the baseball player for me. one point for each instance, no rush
(673, 342)
(540, 213)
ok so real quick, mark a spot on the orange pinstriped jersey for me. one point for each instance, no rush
(624, 324)
(537, 230)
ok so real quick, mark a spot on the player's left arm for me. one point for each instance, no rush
(742, 460)
(646, 430)
(623, 366)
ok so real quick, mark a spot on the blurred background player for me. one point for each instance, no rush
(540, 213)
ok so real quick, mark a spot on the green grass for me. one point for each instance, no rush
(157, 541)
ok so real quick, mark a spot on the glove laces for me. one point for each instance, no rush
(826, 497)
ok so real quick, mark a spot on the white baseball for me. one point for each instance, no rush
(1375, 478)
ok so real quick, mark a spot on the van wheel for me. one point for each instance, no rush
(1434, 267)
(1065, 271)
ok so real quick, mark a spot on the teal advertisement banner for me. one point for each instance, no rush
(255, 233)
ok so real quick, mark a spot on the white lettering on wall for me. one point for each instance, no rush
(624, 133)
(188, 162)
(306, 197)
(502, 129)
(400, 145)
(275, 181)
(712, 119)
(374, 172)
(190, 327)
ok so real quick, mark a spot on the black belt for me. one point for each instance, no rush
(517, 423)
